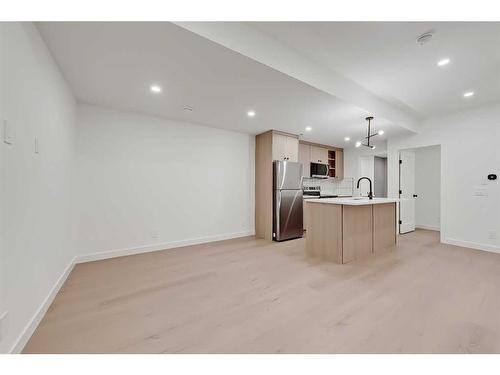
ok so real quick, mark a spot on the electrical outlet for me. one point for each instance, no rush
(3, 324)
(155, 235)
(492, 234)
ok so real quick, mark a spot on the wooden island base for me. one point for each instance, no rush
(343, 233)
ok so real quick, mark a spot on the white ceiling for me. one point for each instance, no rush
(384, 58)
(369, 65)
(113, 64)
(251, 42)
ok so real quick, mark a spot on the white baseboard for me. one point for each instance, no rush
(427, 227)
(472, 245)
(107, 254)
(40, 313)
(23, 338)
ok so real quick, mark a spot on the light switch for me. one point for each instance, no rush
(7, 136)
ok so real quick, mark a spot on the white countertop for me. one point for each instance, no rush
(317, 197)
(357, 201)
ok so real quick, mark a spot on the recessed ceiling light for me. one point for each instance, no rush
(155, 89)
(358, 143)
(251, 113)
(380, 132)
(347, 139)
(443, 62)
(468, 94)
(308, 128)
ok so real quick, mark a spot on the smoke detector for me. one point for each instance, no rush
(425, 37)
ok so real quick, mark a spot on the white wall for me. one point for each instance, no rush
(380, 177)
(146, 183)
(469, 152)
(36, 233)
(129, 182)
(359, 162)
(428, 187)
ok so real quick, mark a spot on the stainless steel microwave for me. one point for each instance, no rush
(319, 170)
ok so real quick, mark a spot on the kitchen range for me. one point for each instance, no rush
(314, 192)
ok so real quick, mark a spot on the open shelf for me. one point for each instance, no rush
(331, 163)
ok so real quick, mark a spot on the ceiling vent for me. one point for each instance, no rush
(425, 37)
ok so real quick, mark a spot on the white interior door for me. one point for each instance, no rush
(407, 191)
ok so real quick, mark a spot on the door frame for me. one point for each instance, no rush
(399, 191)
(442, 202)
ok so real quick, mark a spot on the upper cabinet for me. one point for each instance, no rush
(319, 155)
(336, 163)
(332, 156)
(292, 149)
(285, 147)
(305, 159)
(339, 164)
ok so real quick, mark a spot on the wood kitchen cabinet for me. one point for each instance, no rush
(305, 159)
(314, 153)
(345, 230)
(285, 147)
(319, 155)
(339, 164)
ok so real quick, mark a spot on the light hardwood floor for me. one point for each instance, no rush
(254, 296)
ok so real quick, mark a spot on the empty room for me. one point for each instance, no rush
(250, 187)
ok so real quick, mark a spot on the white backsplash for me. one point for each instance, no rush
(330, 186)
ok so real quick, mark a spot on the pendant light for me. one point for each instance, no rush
(369, 135)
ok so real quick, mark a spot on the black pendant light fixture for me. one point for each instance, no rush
(369, 136)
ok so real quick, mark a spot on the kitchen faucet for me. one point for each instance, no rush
(370, 194)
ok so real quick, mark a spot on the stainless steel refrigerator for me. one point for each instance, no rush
(287, 200)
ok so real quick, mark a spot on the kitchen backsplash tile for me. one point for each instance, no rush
(331, 186)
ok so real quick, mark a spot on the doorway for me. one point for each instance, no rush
(380, 176)
(375, 168)
(420, 189)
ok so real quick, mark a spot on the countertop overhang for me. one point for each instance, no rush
(353, 201)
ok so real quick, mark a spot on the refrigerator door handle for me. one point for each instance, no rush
(277, 210)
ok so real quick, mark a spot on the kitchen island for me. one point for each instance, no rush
(345, 229)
